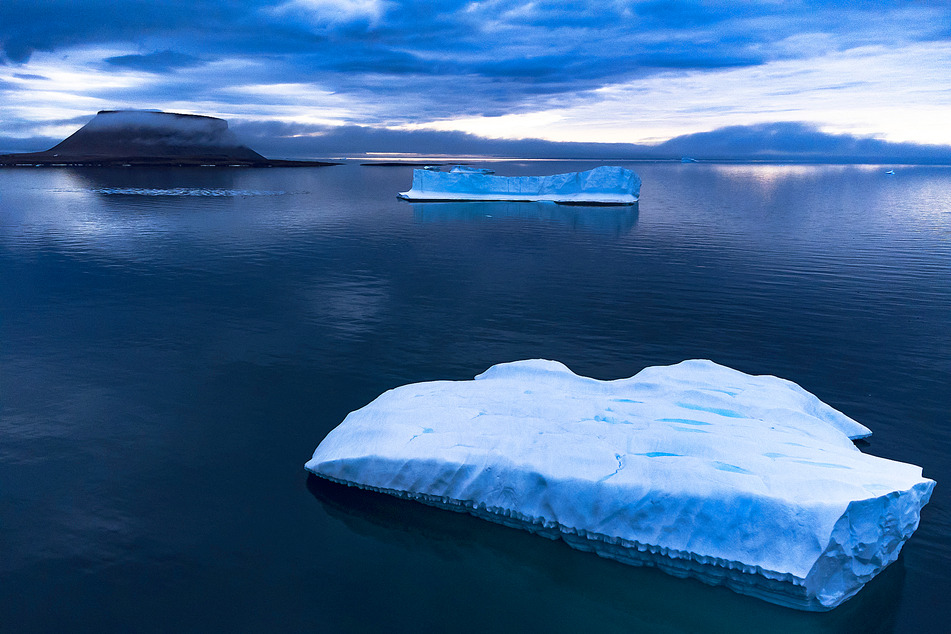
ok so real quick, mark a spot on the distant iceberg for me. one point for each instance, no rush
(605, 185)
(744, 481)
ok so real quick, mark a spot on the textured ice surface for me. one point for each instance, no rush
(465, 169)
(700, 470)
(607, 185)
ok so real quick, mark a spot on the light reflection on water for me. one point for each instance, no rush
(182, 191)
(170, 361)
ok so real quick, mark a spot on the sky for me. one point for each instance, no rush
(312, 77)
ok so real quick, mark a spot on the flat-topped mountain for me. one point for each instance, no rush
(145, 137)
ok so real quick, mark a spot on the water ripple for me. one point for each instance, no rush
(183, 191)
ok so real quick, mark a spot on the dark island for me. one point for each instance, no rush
(145, 138)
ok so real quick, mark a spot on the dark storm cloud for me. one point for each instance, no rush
(27, 26)
(564, 47)
(428, 60)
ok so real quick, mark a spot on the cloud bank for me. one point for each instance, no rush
(641, 70)
(782, 141)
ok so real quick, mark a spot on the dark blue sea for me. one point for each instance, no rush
(175, 343)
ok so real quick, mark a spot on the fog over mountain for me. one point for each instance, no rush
(127, 135)
(798, 142)
(148, 133)
(146, 137)
(784, 141)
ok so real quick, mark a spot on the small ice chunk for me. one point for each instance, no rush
(700, 470)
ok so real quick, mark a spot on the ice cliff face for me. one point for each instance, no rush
(605, 185)
(700, 470)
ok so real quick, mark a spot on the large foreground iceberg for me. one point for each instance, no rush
(605, 185)
(700, 470)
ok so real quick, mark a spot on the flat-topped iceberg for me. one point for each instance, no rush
(605, 185)
(745, 481)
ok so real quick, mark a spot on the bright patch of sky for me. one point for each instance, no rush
(329, 12)
(639, 71)
(897, 95)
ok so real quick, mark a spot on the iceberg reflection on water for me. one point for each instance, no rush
(618, 598)
(615, 220)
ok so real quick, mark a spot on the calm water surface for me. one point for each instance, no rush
(175, 343)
